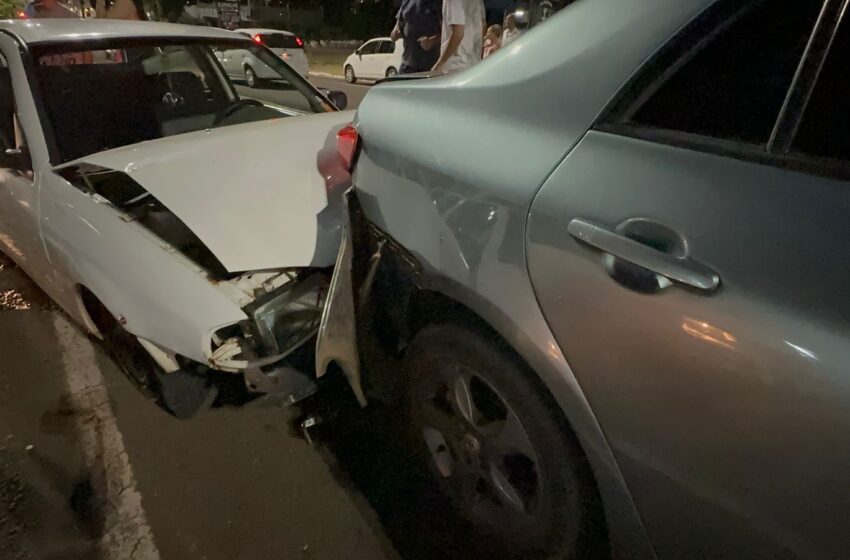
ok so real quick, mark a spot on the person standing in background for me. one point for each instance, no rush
(121, 9)
(415, 19)
(492, 40)
(54, 9)
(461, 37)
(48, 9)
(511, 32)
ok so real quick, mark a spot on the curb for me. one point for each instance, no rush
(326, 75)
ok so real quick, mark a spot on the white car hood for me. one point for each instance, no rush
(250, 192)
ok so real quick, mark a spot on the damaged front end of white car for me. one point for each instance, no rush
(245, 260)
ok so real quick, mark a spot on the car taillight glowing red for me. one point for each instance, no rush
(299, 41)
(346, 142)
(258, 39)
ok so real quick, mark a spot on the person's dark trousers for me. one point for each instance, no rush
(410, 69)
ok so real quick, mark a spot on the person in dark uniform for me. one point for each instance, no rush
(416, 19)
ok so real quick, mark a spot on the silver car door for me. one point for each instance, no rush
(695, 276)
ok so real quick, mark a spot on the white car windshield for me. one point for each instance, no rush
(116, 93)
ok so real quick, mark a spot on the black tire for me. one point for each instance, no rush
(349, 75)
(550, 480)
(180, 394)
(391, 72)
(251, 77)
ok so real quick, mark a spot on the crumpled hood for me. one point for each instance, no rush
(252, 193)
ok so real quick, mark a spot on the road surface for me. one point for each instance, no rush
(355, 92)
(91, 470)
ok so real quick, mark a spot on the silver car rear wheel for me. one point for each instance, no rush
(493, 443)
(250, 77)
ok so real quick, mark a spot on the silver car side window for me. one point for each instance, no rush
(727, 75)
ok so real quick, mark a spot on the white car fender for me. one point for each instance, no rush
(157, 293)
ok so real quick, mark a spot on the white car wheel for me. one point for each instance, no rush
(349, 75)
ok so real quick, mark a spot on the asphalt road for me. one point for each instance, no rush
(234, 483)
(90, 469)
(354, 92)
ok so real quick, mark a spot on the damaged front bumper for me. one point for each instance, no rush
(287, 309)
(283, 310)
(349, 295)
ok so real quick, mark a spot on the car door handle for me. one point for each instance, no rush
(683, 270)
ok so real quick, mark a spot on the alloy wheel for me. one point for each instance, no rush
(478, 447)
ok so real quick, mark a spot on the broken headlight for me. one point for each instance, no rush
(290, 315)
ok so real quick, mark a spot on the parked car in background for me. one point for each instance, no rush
(373, 60)
(244, 64)
(187, 227)
(627, 313)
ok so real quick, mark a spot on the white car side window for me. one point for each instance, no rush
(8, 126)
(12, 140)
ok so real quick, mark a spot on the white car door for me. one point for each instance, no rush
(24, 163)
(384, 58)
(367, 65)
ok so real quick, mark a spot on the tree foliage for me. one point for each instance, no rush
(360, 19)
(8, 9)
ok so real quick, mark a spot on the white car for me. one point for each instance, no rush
(373, 60)
(241, 63)
(187, 227)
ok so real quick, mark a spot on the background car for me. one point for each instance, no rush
(138, 217)
(628, 308)
(373, 60)
(241, 63)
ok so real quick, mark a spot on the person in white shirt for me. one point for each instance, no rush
(461, 37)
(511, 32)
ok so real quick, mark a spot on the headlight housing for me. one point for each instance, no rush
(285, 318)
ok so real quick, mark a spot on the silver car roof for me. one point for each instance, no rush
(38, 31)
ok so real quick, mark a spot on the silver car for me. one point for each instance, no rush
(250, 64)
(613, 260)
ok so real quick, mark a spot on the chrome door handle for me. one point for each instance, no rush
(682, 270)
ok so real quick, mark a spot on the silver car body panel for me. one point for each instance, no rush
(465, 222)
(726, 411)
